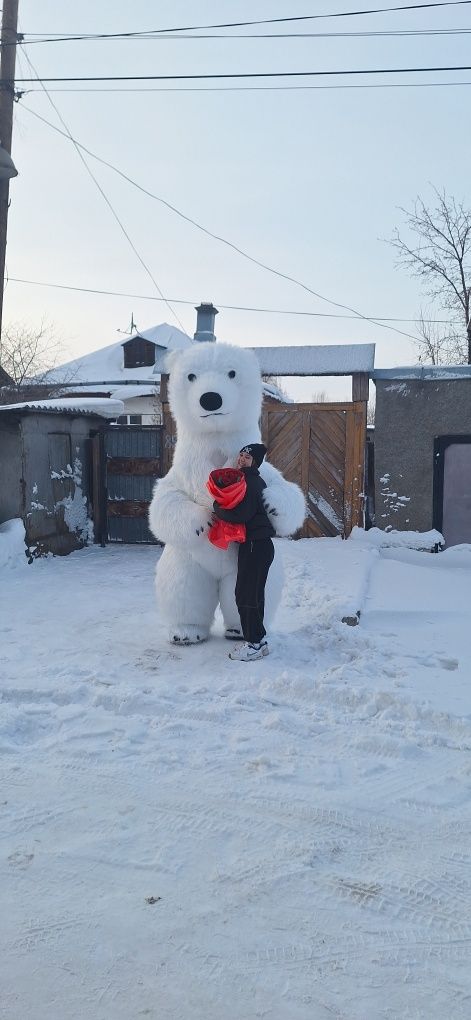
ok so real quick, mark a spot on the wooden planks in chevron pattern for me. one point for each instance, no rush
(321, 447)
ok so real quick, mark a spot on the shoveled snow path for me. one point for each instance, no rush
(303, 822)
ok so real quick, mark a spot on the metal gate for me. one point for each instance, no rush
(127, 459)
(322, 448)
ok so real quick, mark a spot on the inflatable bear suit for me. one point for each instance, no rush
(215, 396)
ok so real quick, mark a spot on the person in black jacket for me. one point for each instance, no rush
(255, 554)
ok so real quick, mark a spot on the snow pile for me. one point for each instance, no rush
(12, 544)
(377, 539)
(457, 555)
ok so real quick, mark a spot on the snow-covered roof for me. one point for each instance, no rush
(342, 359)
(424, 372)
(105, 407)
(128, 392)
(107, 364)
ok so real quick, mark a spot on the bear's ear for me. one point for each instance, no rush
(170, 361)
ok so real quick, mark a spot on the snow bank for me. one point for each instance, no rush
(457, 556)
(12, 544)
(420, 540)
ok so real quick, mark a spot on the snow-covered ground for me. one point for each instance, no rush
(188, 838)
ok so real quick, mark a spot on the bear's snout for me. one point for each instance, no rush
(210, 401)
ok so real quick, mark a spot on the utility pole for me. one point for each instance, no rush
(9, 40)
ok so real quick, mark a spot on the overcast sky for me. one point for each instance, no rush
(306, 181)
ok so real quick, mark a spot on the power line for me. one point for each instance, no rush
(262, 88)
(246, 74)
(217, 237)
(58, 37)
(157, 37)
(233, 308)
(106, 199)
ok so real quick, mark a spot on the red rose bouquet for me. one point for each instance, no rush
(228, 487)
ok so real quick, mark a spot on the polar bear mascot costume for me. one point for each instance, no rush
(215, 396)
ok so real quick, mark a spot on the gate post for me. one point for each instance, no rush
(360, 386)
(360, 395)
(169, 434)
(98, 487)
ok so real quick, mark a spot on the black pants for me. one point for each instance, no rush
(255, 559)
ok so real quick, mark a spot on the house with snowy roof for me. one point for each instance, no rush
(128, 370)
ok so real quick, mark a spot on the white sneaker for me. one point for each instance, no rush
(248, 652)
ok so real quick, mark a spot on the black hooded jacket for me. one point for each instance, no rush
(250, 511)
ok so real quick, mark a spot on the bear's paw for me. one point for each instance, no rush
(188, 634)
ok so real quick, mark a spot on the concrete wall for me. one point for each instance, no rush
(410, 414)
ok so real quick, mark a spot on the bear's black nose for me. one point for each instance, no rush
(210, 401)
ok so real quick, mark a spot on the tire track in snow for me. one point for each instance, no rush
(402, 898)
(203, 819)
(324, 949)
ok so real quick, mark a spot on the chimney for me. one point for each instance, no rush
(205, 316)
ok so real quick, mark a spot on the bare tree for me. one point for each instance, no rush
(320, 397)
(438, 343)
(28, 355)
(156, 407)
(273, 380)
(442, 260)
(371, 412)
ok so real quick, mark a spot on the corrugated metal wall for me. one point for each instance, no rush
(133, 463)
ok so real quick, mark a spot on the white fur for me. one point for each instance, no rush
(193, 577)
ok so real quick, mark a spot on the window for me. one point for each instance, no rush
(128, 419)
(138, 353)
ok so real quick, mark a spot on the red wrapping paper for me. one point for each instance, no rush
(228, 487)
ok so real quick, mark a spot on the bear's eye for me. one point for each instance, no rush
(191, 377)
(231, 374)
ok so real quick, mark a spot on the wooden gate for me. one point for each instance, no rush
(322, 448)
